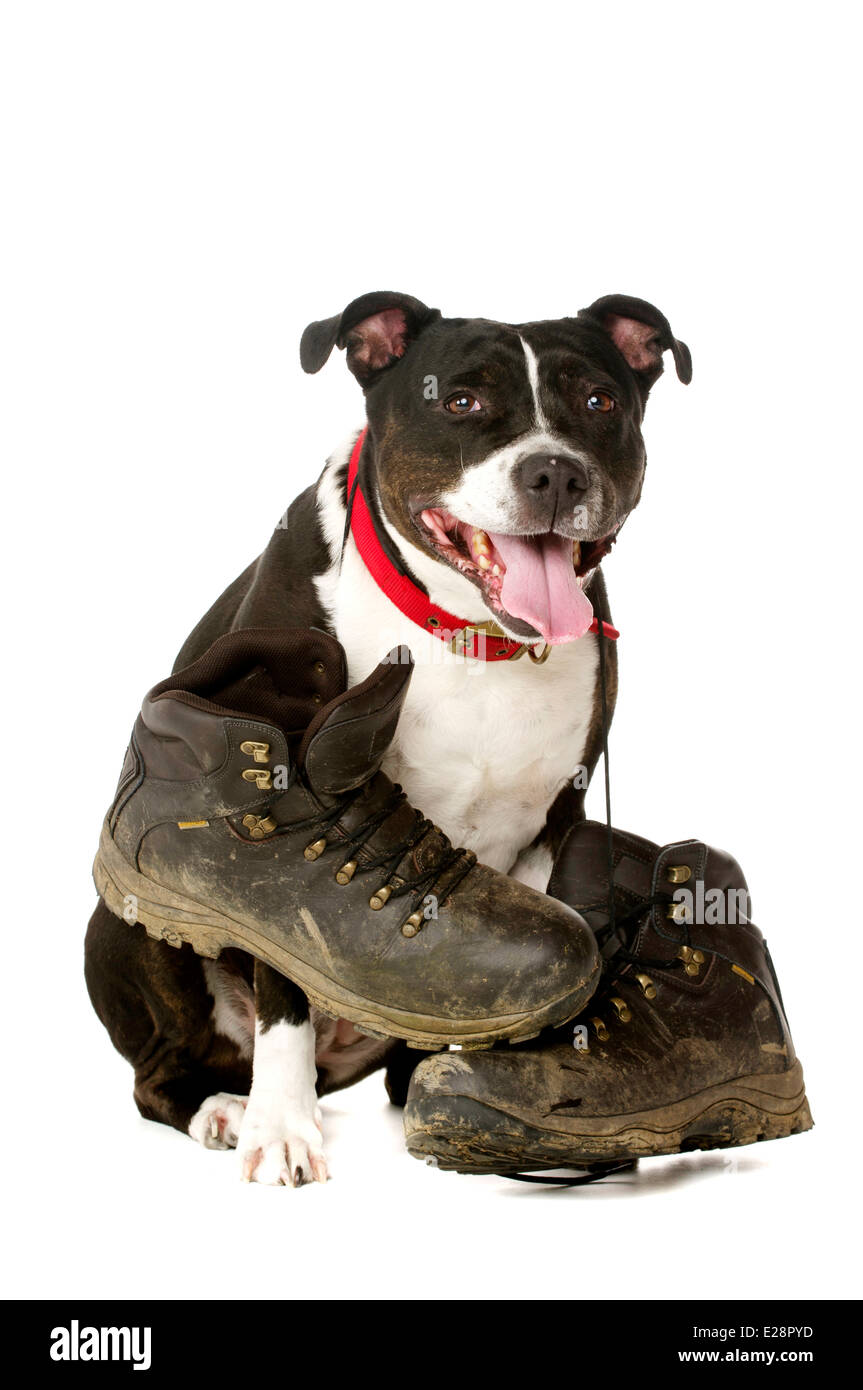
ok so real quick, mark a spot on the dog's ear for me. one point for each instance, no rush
(376, 329)
(642, 334)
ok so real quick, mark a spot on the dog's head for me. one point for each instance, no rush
(506, 456)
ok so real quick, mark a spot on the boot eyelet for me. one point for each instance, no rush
(320, 668)
(380, 898)
(648, 988)
(413, 924)
(259, 751)
(621, 1008)
(263, 779)
(259, 826)
(314, 850)
(692, 960)
(600, 1029)
(677, 912)
(346, 872)
(679, 873)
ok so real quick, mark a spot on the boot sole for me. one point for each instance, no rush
(469, 1136)
(171, 917)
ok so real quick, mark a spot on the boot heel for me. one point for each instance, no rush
(751, 1110)
(164, 914)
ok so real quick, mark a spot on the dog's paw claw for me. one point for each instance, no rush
(319, 1167)
(287, 1154)
(217, 1123)
(250, 1163)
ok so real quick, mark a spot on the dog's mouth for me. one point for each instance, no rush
(536, 580)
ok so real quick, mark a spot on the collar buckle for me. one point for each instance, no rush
(462, 643)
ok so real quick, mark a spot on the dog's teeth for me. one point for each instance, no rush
(484, 562)
(495, 569)
(479, 543)
(576, 552)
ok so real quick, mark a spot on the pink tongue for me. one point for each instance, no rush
(540, 586)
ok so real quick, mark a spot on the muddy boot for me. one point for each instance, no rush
(684, 1046)
(251, 812)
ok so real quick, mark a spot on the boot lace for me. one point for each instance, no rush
(420, 884)
(614, 941)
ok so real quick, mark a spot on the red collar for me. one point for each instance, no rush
(482, 640)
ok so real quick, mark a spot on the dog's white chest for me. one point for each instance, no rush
(484, 752)
(482, 748)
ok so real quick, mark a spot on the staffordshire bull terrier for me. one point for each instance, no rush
(468, 521)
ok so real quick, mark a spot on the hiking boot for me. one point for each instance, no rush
(251, 812)
(684, 1046)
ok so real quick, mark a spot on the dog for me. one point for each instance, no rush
(468, 522)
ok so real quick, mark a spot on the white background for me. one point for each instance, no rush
(185, 186)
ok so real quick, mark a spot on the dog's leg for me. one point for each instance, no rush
(533, 866)
(401, 1064)
(535, 863)
(159, 1011)
(280, 1137)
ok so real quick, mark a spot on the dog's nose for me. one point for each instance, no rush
(555, 479)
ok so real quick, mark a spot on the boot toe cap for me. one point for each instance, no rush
(540, 953)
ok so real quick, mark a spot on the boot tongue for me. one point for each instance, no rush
(540, 586)
(344, 745)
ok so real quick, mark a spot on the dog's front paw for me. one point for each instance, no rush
(217, 1123)
(284, 1149)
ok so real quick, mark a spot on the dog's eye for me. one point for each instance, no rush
(462, 403)
(601, 401)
